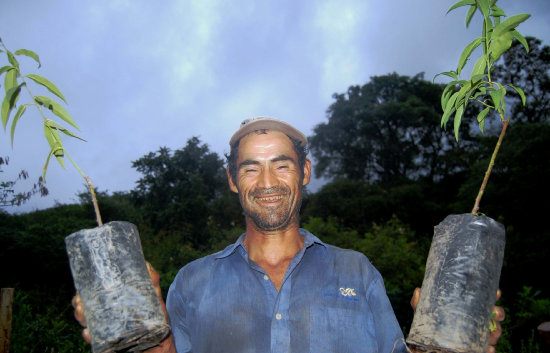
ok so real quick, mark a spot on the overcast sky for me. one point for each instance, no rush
(139, 75)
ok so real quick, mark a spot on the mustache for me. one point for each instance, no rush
(259, 192)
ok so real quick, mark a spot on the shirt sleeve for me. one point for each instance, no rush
(388, 333)
(176, 307)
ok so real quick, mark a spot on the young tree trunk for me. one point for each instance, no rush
(6, 302)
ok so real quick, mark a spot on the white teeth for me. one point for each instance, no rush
(271, 198)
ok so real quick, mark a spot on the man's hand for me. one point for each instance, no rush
(497, 316)
(166, 346)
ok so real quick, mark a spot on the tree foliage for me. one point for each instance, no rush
(383, 131)
(532, 72)
(179, 190)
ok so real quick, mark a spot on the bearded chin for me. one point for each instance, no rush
(273, 221)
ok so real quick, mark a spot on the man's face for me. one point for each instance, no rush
(268, 180)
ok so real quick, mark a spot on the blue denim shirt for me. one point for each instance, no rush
(331, 300)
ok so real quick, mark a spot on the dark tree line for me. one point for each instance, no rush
(393, 175)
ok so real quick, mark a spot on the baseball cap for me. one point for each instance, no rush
(264, 123)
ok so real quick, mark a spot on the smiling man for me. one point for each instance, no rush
(278, 288)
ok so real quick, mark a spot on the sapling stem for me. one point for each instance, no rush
(475, 210)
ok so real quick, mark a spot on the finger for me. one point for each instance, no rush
(499, 313)
(78, 309)
(86, 335)
(495, 335)
(415, 298)
(491, 349)
(155, 277)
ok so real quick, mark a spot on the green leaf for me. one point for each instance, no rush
(6, 68)
(56, 126)
(10, 80)
(481, 118)
(60, 160)
(497, 96)
(12, 59)
(446, 95)
(467, 52)
(470, 14)
(28, 53)
(519, 91)
(9, 103)
(509, 24)
(461, 3)
(460, 98)
(56, 108)
(46, 83)
(451, 74)
(521, 39)
(18, 115)
(449, 109)
(479, 67)
(497, 11)
(500, 45)
(484, 7)
(54, 140)
(458, 119)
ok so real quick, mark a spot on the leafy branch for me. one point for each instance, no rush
(14, 82)
(496, 38)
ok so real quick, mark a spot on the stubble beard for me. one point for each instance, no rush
(271, 218)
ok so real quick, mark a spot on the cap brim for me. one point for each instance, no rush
(268, 124)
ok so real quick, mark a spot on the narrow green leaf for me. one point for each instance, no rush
(56, 108)
(6, 68)
(16, 117)
(521, 39)
(461, 3)
(447, 91)
(9, 103)
(56, 126)
(12, 59)
(497, 96)
(54, 140)
(30, 54)
(484, 7)
(509, 24)
(460, 98)
(10, 80)
(46, 83)
(481, 118)
(451, 74)
(497, 11)
(500, 45)
(479, 67)
(470, 14)
(52, 152)
(457, 120)
(466, 53)
(449, 109)
(519, 91)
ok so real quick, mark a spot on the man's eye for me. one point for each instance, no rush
(283, 166)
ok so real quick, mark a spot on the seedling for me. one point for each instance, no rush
(496, 38)
(14, 83)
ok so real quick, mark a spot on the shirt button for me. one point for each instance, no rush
(266, 277)
(278, 316)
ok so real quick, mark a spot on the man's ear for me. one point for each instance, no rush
(307, 172)
(232, 185)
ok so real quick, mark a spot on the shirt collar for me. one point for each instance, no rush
(310, 239)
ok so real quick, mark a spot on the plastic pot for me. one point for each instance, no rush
(121, 307)
(459, 287)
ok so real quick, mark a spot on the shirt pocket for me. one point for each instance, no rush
(340, 330)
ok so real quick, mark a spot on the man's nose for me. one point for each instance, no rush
(267, 179)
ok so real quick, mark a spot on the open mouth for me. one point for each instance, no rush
(270, 198)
